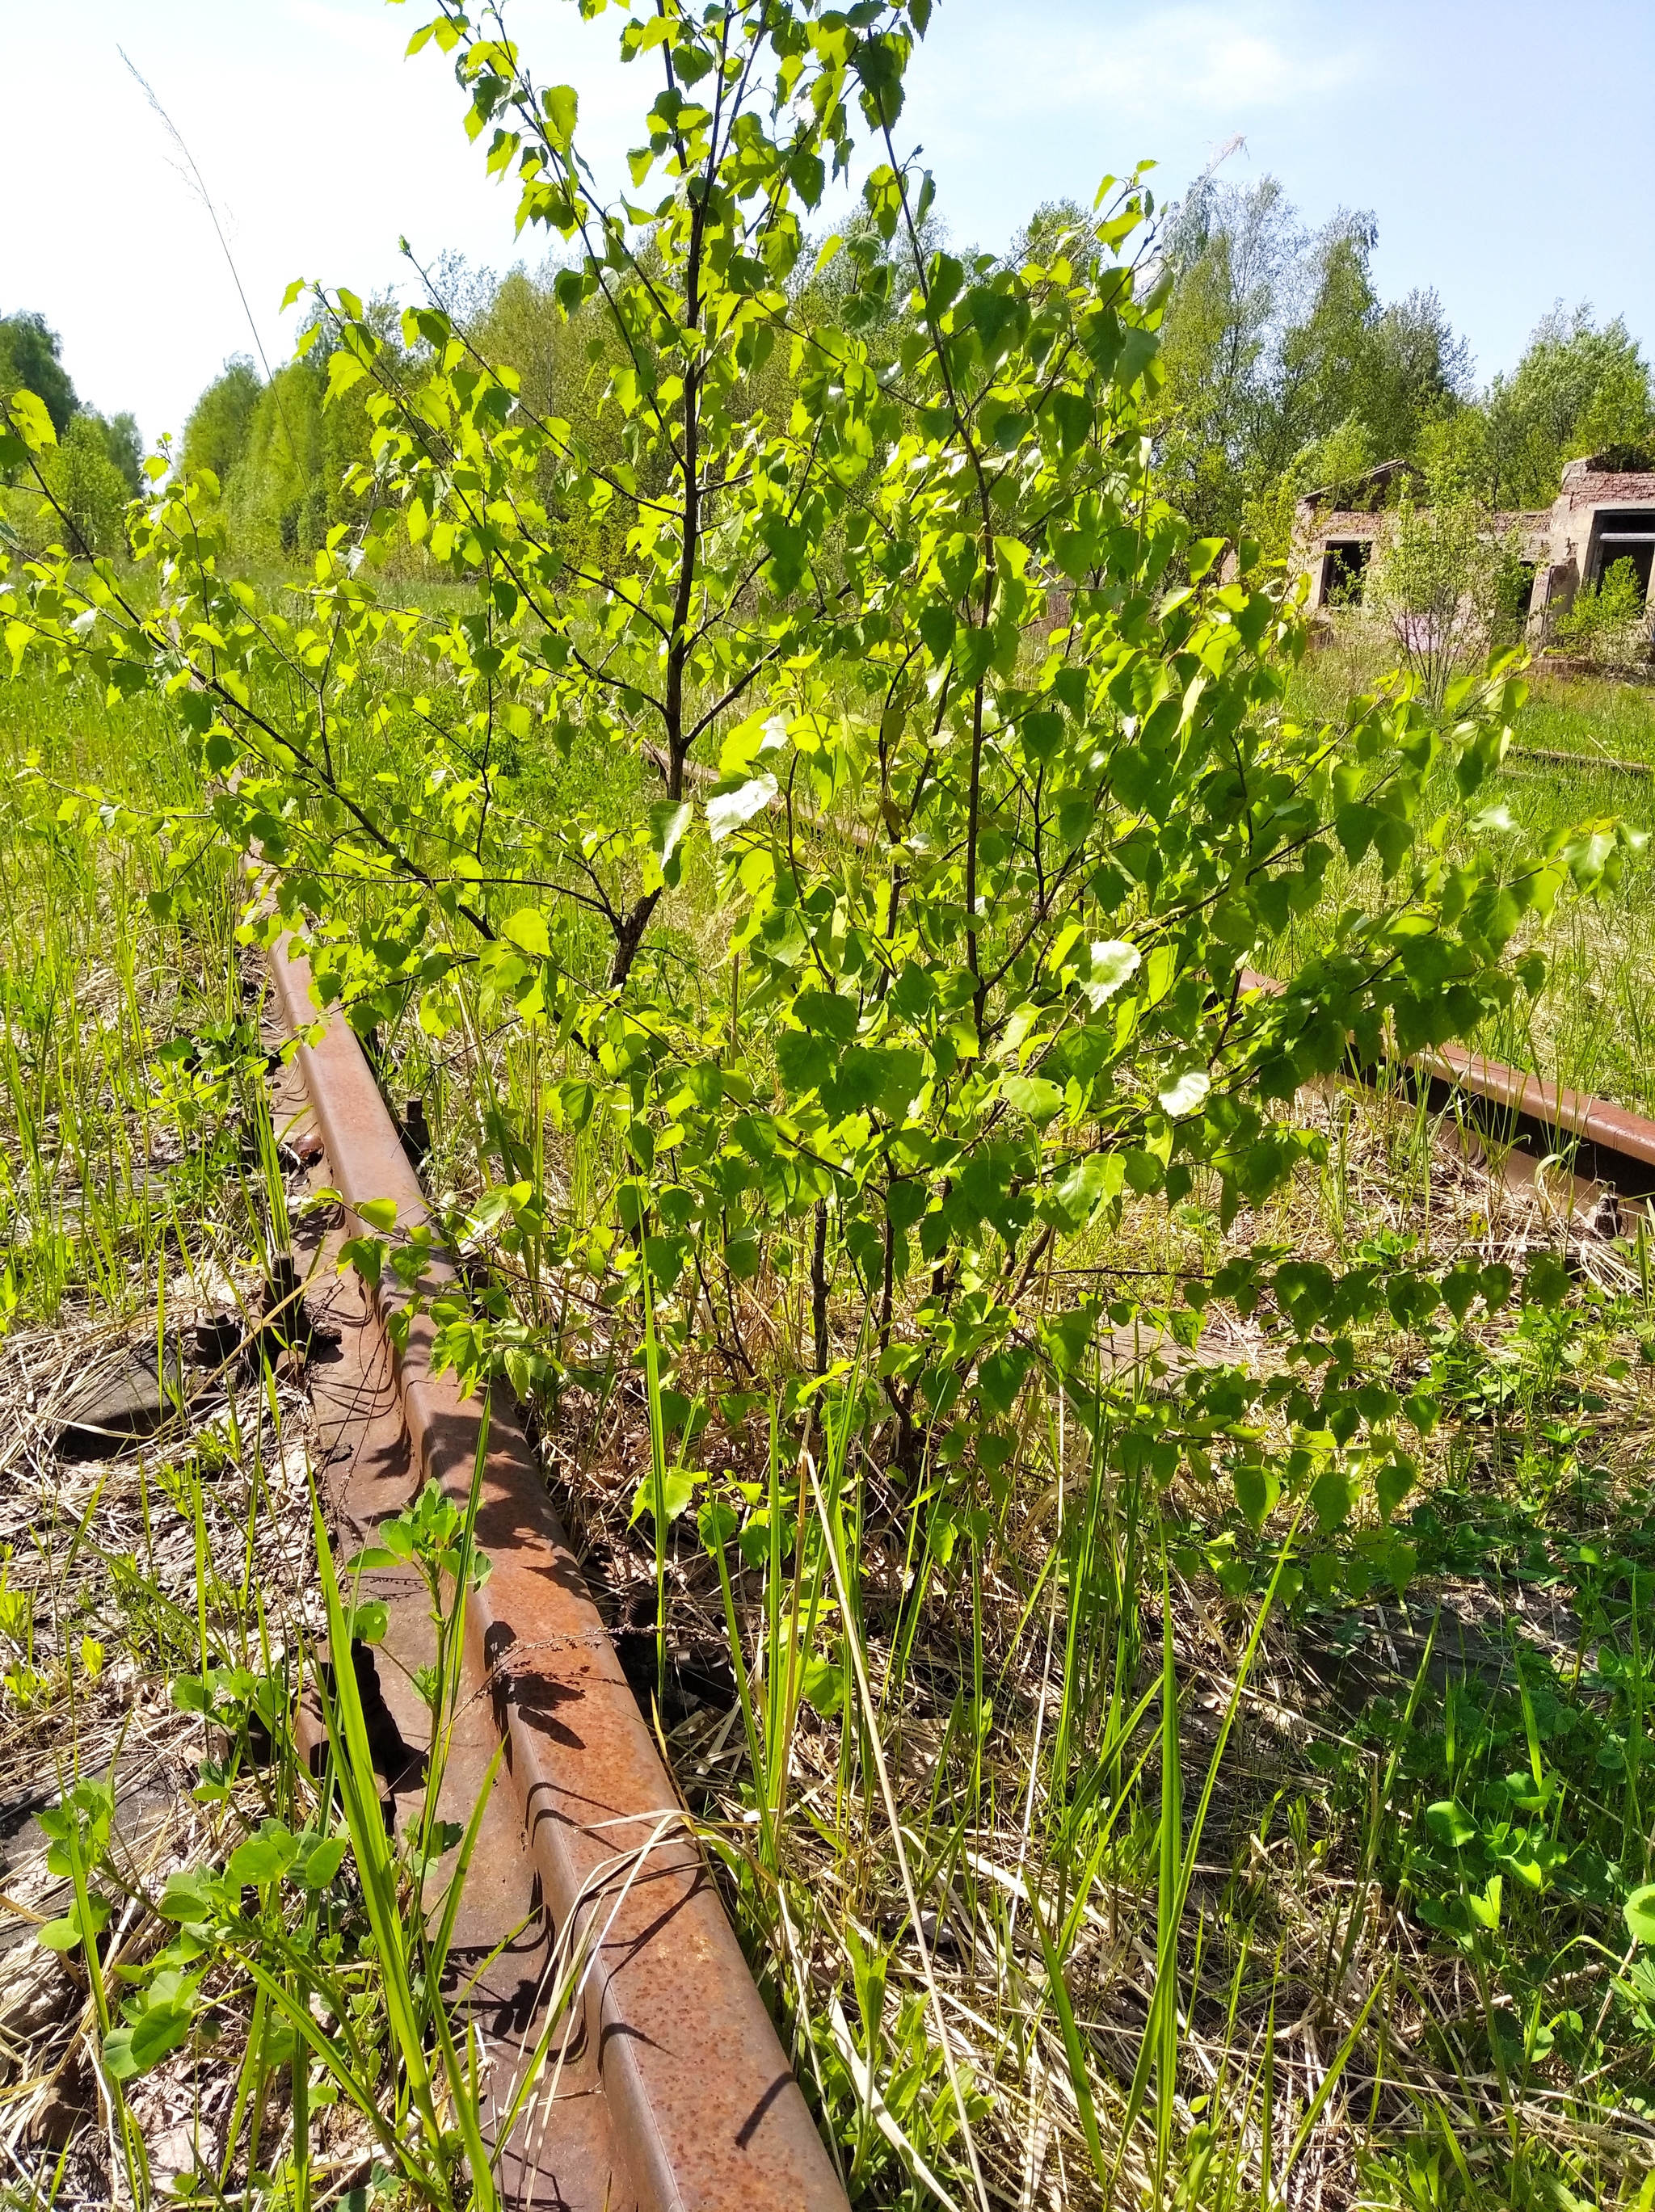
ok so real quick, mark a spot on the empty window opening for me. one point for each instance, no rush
(1622, 537)
(1342, 570)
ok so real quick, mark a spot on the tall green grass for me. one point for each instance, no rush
(121, 1039)
(1591, 1028)
(140, 1184)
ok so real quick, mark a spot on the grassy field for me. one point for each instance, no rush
(1594, 1029)
(1383, 1828)
(1591, 1028)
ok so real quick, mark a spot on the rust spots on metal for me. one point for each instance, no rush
(683, 2097)
(1613, 1147)
(1567, 1144)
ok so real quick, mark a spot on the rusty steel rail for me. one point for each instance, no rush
(1604, 1151)
(674, 2094)
(1608, 1148)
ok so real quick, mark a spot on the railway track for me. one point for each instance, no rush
(673, 2093)
(1592, 1158)
(1602, 1155)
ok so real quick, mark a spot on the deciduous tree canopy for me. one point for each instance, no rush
(97, 464)
(29, 362)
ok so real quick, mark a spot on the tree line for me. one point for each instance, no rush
(1284, 371)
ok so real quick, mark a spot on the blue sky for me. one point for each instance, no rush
(1506, 150)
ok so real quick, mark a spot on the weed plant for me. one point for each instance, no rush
(1392, 1765)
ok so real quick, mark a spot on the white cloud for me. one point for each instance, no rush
(1222, 61)
(1017, 103)
(367, 35)
(1199, 56)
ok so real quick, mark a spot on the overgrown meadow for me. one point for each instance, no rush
(1138, 1555)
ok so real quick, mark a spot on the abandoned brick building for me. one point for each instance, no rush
(1600, 516)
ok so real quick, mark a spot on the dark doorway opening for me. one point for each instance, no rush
(1520, 598)
(1342, 570)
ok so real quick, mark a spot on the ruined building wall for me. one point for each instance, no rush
(1598, 515)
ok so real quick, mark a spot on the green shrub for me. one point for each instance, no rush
(1609, 621)
(920, 686)
(1443, 582)
(29, 362)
